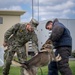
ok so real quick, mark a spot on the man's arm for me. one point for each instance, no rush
(10, 31)
(56, 33)
(35, 41)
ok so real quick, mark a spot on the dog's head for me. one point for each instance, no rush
(48, 45)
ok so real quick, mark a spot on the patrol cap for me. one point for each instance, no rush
(34, 23)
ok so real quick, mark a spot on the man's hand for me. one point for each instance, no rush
(4, 44)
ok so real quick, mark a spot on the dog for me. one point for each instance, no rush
(45, 56)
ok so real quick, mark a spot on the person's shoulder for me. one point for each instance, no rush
(17, 24)
(59, 24)
(22, 22)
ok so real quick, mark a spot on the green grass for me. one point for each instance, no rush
(72, 66)
(16, 70)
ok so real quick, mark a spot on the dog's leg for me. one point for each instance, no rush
(34, 70)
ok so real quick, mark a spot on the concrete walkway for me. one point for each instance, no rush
(73, 59)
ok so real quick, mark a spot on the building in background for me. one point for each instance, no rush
(8, 18)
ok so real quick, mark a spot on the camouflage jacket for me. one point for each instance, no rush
(17, 35)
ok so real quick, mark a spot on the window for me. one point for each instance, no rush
(1, 20)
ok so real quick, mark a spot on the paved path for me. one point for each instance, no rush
(72, 59)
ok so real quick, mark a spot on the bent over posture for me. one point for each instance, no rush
(62, 42)
(15, 38)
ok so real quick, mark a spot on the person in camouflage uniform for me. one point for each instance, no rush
(15, 38)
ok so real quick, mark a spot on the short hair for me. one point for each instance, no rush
(48, 23)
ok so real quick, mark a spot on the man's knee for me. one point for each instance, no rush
(64, 68)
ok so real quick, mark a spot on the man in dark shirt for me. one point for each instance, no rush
(62, 42)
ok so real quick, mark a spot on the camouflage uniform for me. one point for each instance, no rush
(16, 37)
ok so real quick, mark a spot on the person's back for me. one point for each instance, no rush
(63, 37)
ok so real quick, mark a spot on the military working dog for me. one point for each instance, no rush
(45, 56)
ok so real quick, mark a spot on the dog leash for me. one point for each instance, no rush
(41, 70)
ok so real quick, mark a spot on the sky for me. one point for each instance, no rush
(48, 9)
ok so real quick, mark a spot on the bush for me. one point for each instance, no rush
(73, 53)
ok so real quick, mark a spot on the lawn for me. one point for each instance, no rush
(16, 70)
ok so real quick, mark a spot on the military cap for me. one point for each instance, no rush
(34, 23)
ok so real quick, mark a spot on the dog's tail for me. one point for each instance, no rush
(16, 63)
(19, 64)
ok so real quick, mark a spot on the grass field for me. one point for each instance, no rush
(16, 70)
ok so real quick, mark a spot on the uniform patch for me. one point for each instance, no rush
(21, 30)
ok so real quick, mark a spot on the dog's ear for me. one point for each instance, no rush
(48, 41)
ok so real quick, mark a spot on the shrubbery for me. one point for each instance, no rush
(73, 53)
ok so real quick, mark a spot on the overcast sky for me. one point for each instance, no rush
(48, 9)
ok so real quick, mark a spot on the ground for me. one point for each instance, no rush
(16, 70)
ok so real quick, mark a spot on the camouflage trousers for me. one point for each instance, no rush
(63, 65)
(21, 55)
